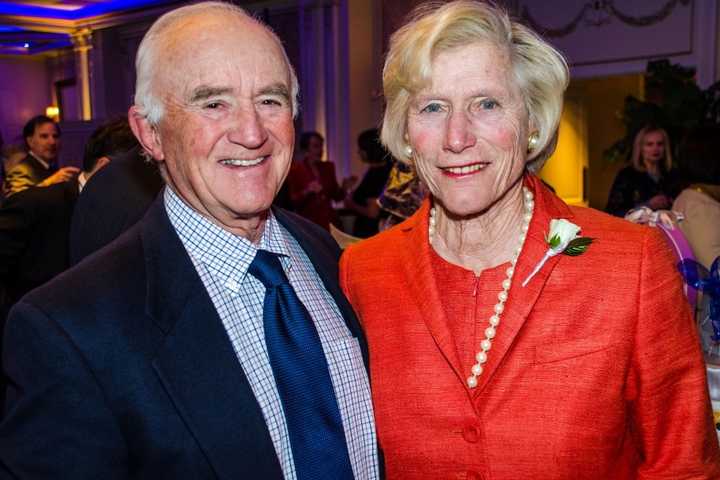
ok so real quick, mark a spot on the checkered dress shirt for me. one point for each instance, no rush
(222, 261)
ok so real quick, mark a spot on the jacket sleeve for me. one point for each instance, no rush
(15, 224)
(56, 421)
(667, 388)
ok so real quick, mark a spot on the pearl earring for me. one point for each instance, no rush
(408, 151)
(533, 141)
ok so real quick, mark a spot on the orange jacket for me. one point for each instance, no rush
(595, 372)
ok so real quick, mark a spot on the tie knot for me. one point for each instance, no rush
(267, 268)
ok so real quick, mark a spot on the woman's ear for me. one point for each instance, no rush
(146, 133)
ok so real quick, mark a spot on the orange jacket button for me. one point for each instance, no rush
(472, 475)
(470, 433)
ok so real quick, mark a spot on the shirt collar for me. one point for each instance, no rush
(82, 180)
(226, 255)
(42, 162)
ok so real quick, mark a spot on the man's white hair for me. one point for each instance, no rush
(146, 61)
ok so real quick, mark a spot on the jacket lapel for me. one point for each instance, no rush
(521, 300)
(423, 288)
(196, 362)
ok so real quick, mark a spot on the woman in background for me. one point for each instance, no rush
(492, 355)
(645, 182)
(311, 183)
(364, 200)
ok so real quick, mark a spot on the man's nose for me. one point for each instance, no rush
(458, 136)
(248, 129)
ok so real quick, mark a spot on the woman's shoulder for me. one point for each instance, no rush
(386, 245)
(601, 225)
(390, 239)
(623, 246)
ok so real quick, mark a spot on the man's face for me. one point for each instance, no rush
(45, 142)
(226, 137)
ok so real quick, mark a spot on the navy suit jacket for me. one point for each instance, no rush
(121, 368)
(113, 200)
(34, 228)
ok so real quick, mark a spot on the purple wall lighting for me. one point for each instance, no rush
(17, 40)
(74, 10)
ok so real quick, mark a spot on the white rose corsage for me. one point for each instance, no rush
(563, 238)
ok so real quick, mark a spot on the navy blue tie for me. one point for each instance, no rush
(301, 372)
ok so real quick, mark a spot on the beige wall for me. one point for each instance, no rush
(365, 84)
(564, 169)
(603, 100)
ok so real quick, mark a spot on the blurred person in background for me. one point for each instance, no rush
(112, 201)
(35, 222)
(39, 167)
(364, 199)
(646, 181)
(312, 185)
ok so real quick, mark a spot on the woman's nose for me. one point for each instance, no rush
(458, 136)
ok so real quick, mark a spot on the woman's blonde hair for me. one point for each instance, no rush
(637, 160)
(540, 71)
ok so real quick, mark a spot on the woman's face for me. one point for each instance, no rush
(469, 129)
(653, 147)
(316, 146)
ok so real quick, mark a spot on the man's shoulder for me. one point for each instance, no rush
(303, 229)
(389, 247)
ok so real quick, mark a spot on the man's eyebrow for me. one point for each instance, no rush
(204, 92)
(276, 89)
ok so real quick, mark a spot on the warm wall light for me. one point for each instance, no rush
(53, 112)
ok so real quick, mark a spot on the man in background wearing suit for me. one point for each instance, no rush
(181, 350)
(42, 137)
(113, 201)
(35, 223)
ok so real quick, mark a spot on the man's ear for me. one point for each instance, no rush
(99, 164)
(146, 133)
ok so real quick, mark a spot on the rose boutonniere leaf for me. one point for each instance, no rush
(578, 246)
(563, 238)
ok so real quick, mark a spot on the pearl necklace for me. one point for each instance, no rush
(482, 356)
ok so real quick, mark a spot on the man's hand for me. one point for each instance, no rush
(659, 202)
(62, 175)
(348, 183)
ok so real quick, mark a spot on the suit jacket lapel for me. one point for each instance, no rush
(423, 289)
(197, 364)
(522, 299)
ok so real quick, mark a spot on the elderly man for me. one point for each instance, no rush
(42, 137)
(211, 339)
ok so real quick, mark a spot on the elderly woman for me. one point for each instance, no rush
(646, 181)
(490, 355)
